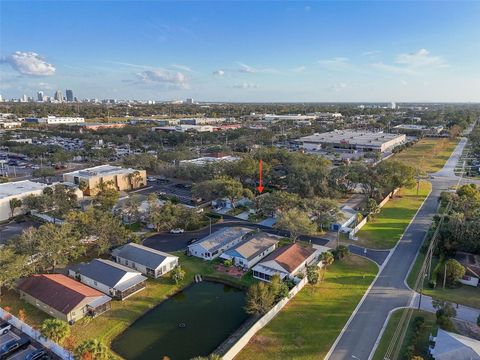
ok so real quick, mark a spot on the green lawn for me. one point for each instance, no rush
(464, 295)
(393, 219)
(421, 347)
(307, 327)
(428, 154)
(123, 313)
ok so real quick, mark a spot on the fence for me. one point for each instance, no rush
(364, 221)
(260, 323)
(34, 334)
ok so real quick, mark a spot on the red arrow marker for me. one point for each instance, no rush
(260, 187)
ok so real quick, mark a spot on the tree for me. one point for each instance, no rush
(395, 174)
(165, 217)
(12, 266)
(130, 208)
(445, 311)
(278, 288)
(209, 357)
(44, 173)
(275, 202)
(55, 330)
(177, 274)
(341, 252)
(296, 222)
(454, 270)
(372, 208)
(107, 196)
(92, 350)
(260, 298)
(325, 211)
(135, 179)
(312, 274)
(222, 187)
(14, 204)
(327, 259)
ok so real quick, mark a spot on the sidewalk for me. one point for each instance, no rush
(463, 312)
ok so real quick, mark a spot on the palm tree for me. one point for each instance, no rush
(55, 329)
(14, 204)
(327, 259)
(135, 178)
(92, 349)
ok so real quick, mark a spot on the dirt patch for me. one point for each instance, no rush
(232, 270)
(263, 341)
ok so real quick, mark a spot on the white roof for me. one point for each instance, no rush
(101, 170)
(18, 188)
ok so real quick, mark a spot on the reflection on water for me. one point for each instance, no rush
(191, 323)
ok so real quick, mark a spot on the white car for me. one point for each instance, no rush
(5, 327)
(177, 231)
(151, 179)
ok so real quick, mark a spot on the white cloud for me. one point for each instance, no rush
(339, 86)
(299, 69)
(337, 63)
(219, 73)
(244, 68)
(420, 58)
(163, 76)
(403, 82)
(246, 86)
(394, 68)
(182, 67)
(29, 63)
(371, 53)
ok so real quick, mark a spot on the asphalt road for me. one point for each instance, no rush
(176, 242)
(389, 290)
(379, 256)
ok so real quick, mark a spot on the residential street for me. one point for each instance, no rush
(389, 290)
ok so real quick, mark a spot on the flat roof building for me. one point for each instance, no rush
(18, 190)
(352, 140)
(122, 178)
(209, 159)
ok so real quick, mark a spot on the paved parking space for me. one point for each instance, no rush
(14, 229)
(20, 355)
(15, 334)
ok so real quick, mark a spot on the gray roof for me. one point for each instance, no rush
(143, 255)
(450, 346)
(253, 245)
(104, 271)
(222, 237)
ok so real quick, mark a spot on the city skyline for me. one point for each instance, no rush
(281, 51)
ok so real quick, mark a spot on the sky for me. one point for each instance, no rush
(272, 51)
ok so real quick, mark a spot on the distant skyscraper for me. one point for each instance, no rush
(24, 98)
(58, 96)
(189, 101)
(40, 96)
(393, 105)
(69, 95)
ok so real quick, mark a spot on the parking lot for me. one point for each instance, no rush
(15, 335)
(183, 192)
(13, 229)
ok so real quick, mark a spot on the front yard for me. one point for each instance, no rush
(389, 225)
(307, 327)
(464, 294)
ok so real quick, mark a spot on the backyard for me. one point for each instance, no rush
(123, 313)
(429, 154)
(421, 346)
(387, 228)
(307, 327)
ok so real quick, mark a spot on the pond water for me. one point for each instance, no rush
(192, 323)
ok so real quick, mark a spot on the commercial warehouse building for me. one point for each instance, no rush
(352, 140)
(17, 190)
(122, 178)
(54, 120)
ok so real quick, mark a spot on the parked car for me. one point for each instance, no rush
(5, 327)
(39, 354)
(192, 240)
(151, 179)
(177, 231)
(161, 193)
(13, 346)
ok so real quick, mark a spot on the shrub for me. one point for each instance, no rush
(228, 263)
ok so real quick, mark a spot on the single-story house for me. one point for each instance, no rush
(148, 261)
(450, 346)
(251, 250)
(62, 297)
(287, 261)
(113, 279)
(471, 263)
(218, 242)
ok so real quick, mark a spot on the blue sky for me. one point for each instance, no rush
(242, 51)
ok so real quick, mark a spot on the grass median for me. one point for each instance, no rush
(389, 225)
(307, 327)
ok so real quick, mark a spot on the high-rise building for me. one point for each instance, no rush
(40, 96)
(393, 105)
(58, 96)
(69, 95)
(24, 98)
(189, 101)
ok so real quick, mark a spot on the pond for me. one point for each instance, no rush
(191, 323)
